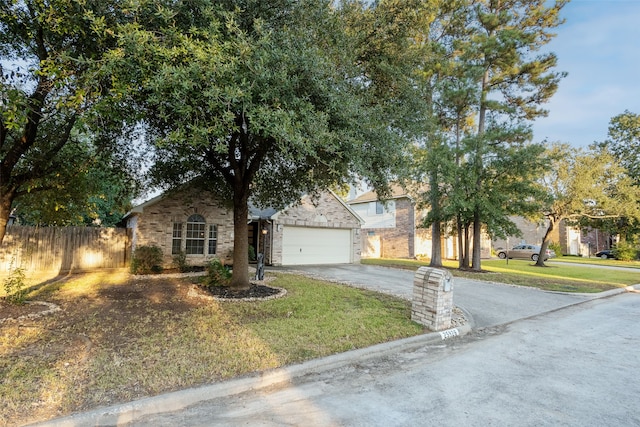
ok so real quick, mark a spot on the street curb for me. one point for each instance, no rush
(178, 400)
(617, 291)
(594, 297)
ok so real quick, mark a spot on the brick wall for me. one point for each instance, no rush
(397, 242)
(154, 226)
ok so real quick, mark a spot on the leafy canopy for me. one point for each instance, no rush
(269, 97)
(48, 88)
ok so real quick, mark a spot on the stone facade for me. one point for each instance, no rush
(323, 211)
(152, 223)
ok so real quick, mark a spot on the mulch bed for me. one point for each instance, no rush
(254, 291)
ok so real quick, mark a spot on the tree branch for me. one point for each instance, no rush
(592, 216)
(21, 145)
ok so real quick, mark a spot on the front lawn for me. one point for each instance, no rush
(119, 337)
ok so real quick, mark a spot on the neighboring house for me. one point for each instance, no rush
(321, 230)
(597, 240)
(392, 229)
(568, 237)
(532, 233)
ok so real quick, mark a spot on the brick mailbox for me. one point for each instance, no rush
(432, 303)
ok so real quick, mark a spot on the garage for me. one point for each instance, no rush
(308, 245)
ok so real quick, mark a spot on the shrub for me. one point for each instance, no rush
(180, 262)
(625, 251)
(252, 253)
(15, 287)
(147, 260)
(217, 274)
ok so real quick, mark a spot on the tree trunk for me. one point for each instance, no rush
(460, 243)
(477, 234)
(545, 240)
(436, 249)
(436, 227)
(478, 165)
(240, 277)
(6, 200)
(466, 247)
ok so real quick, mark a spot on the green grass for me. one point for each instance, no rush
(318, 319)
(596, 261)
(518, 272)
(96, 353)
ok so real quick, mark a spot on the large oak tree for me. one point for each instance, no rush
(48, 85)
(261, 101)
(586, 186)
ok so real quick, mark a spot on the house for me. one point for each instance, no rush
(568, 237)
(532, 233)
(393, 228)
(316, 230)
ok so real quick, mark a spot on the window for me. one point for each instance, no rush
(195, 235)
(176, 243)
(213, 239)
(379, 208)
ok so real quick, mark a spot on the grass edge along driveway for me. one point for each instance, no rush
(553, 277)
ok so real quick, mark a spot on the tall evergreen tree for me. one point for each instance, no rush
(440, 24)
(482, 83)
(514, 83)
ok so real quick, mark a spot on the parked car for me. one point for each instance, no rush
(526, 251)
(606, 254)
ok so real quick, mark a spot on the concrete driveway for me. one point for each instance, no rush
(488, 303)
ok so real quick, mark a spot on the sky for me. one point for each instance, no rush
(599, 47)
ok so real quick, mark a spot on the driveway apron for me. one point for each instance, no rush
(488, 303)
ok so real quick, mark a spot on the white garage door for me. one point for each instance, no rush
(303, 245)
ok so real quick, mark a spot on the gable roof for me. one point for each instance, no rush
(140, 208)
(397, 192)
(335, 196)
(255, 212)
(258, 213)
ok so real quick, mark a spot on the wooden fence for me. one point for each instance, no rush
(64, 249)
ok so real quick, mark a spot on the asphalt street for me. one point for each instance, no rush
(572, 367)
